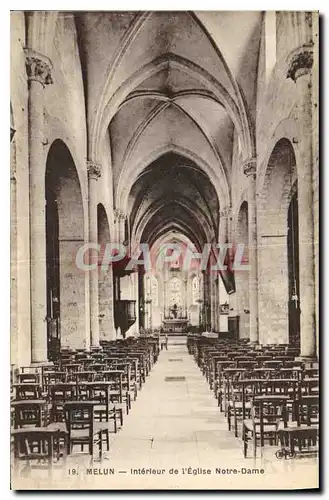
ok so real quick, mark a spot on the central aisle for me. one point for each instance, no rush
(173, 423)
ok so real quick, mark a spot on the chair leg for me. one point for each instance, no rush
(245, 442)
(100, 444)
(235, 425)
(108, 440)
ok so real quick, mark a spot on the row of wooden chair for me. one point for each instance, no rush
(56, 408)
(264, 390)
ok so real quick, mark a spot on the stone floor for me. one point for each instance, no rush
(176, 430)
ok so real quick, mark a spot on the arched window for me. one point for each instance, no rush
(175, 291)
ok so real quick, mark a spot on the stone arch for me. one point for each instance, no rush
(288, 129)
(272, 217)
(66, 283)
(128, 178)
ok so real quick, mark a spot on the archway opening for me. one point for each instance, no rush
(64, 236)
(277, 222)
(293, 272)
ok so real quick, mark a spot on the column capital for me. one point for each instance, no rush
(250, 167)
(226, 212)
(300, 62)
(94, 170)
(119, 215)
(38, 67)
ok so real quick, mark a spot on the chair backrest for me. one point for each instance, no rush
(309, 386)
(79, 415)
(71, 367)
(273, 363)
(268, 413)
(100, 393)
(28, 391)
(26, 415)
(28, 377)
(308, 410)
(82, 376)
(54, 378)
(60, 394)
(97, 367)
(36, 443)
(249, 365)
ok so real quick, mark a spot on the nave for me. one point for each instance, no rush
(164, 181)
(175, 423)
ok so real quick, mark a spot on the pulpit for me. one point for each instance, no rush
(124, 314)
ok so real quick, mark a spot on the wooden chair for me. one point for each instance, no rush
(82, 428)
(266, 414)
(54, 377)
(229, 375)
(304, 432)
(105, 410)
(239, 406)
(37, 447)
(59, 395)
(118, 395)
(219, 382)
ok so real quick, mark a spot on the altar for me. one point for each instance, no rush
(175, 320)
(175, 325)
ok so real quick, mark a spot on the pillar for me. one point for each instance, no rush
(300, 66)
(38, 69)
(94, 173)
(206, 300)
(105, 298)
(224, 237)
(249, 169)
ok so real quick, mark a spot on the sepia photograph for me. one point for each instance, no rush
(164, 250)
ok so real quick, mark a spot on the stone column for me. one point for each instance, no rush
(38, 68)
(206, 300)
(214, 306)
(106, 300)
(300, 67)
(249, 169)
(94, 173)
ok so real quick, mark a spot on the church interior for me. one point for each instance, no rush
(165, 133)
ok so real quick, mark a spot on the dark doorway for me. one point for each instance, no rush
(53, 273)
(293, 273)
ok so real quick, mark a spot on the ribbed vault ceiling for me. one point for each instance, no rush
(170, 91)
